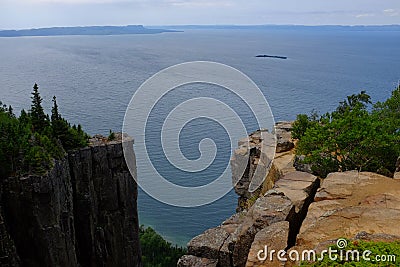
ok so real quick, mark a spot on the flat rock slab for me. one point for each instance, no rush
(284, 162)
(299, 176)
(270, 209)
(297, 186)
(349, 203)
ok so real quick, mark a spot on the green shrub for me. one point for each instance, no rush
(385, 249)
(356, 136)
(111, 136)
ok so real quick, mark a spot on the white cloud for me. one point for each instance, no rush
(76, 1)
(366, 15)
(195, 4)
(39, 13)
(391, 12)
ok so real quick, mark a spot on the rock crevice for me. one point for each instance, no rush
(274, 218)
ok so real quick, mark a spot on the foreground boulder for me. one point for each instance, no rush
(273, 219)
(273, 237)
(349, 203)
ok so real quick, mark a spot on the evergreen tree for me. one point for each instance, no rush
(39, 119)
(10, 111)
(54, 111)
(30, 142)
(24, 118)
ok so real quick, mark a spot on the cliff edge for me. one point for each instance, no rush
(83, 212)
(294, 210)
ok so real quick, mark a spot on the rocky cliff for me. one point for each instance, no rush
(83, 212)
(293, 209)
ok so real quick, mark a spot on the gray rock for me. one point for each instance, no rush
(39, 214)
(251, 163)
(208, 244)
(275, 238)
(265, 211)
(105, 198)
(8, 251)
(230, 243)
(285, 205)
(270, 209)
(284, 136)
(381, 237)
(284, 125)
(297, 186)
(193, 261)
(299, 164)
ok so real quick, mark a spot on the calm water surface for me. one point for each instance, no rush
(94, 78)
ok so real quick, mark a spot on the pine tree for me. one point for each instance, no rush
(11, 111)
(39, 119)
(54, 111)
(24, 118)
(59, 125)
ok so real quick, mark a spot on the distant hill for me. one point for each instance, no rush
(287, 27)
(87, 30)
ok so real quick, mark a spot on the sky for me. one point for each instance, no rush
(19, 14)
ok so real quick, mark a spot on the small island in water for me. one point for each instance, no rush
(86, 30)
(279, 57)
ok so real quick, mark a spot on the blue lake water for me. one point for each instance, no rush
(94, 78)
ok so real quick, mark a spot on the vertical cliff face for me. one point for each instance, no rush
(38, 211)
(8, 253)
(105, 195)
(81, 213)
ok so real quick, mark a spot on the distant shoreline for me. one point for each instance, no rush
(140, 29)
(394, 27)
(85, 30)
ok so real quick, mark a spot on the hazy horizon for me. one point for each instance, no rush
(207, 25)
(26, 14)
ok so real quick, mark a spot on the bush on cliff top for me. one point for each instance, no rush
(30, 142)
(356, 136)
